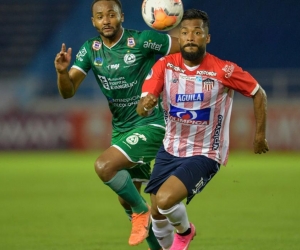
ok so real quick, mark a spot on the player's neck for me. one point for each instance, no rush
(111, 41)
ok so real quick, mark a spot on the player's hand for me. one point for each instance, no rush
(63, 59)
(260, 145)
(149, 102)
(146, 104)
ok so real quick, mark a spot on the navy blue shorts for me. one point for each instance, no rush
(194, 172)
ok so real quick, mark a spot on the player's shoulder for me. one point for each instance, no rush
(224, 68)
(219, 65)
(144, 34)
(210, 58)
(93, 41)
(138, 33)
(132, 32)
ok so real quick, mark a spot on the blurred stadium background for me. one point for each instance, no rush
(260, 36)
(50, 197)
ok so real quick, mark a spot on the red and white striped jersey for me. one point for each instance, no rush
(197, 103)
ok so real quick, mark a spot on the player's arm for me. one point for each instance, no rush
(67, 81)
(164, 43)
(260, 112)
(151, 89)
(238, 79)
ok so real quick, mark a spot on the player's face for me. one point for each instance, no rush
(107, 19)
(193, 38)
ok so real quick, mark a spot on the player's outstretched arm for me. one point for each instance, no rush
(67, 81)
(260, 111)
(146, 104)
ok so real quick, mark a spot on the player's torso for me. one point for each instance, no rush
(120, 72)
(193, 95)
(197, 103)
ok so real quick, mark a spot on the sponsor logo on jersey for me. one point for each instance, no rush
(228, 69)
(129, 58)
(217, 132)
(206, 73)
(196, 97)
(198, 79)
(149, 74)
(175, 80)
(175, 68)
(208, 84)
(104, 82)
(96, 45)
(113, 66)
(81, 54)
(98, 61)
(191, 117)
(152, 45)
(187, 78)
(130, 42)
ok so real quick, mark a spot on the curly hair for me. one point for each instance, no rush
(196, 14)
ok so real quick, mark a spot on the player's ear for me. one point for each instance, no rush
(208, 38)
(122, 17)
(92, 19)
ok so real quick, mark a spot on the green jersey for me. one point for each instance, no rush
(121, 70)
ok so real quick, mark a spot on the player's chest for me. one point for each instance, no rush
(118, 61)
(181, 88)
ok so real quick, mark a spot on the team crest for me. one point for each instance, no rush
(134, 139)
(130, 42)
(208, 84)
(129, 59)
(96, 45)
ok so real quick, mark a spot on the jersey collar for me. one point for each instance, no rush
(116, 42)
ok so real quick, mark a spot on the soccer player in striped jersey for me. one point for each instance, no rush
(197, 89)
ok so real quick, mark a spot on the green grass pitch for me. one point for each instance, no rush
(55, 201)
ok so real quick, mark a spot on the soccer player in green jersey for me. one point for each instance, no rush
(120, 60)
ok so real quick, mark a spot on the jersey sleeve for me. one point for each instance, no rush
(238, 79)
(154, 82)
(82, 61)
(154, 42)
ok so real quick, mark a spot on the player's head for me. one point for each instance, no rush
(107, 17)
(194, 34)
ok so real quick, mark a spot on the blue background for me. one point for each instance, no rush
(254, 34)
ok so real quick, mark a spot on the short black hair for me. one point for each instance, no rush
(196, 14)
(118, 2)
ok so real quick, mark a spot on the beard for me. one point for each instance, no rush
(192, 56)
(111, 34)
